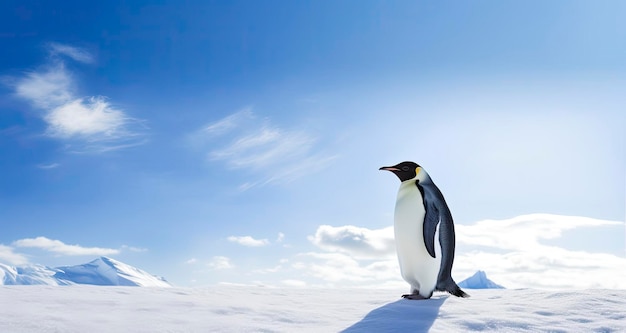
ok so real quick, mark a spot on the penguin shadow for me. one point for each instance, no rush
(401, 316)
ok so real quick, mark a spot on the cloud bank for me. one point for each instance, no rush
(58, 247)
(510, 251)
(87, 123)
(14, 255)
(361, 243)
(9, 256)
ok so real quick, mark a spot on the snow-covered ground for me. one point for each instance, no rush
(227, 308)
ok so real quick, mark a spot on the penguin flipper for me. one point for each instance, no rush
(431, 219)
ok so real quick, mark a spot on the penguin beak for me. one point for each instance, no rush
(392, 169)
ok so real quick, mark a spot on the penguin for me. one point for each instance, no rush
(420, 214)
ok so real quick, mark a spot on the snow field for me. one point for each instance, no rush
(82, 308)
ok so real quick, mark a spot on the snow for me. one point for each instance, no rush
(95, 297)
(229, 308)
(102, 271)
(479, 281)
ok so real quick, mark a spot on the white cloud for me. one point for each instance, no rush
(191, 261)
(553, 268)
(513, 255)
(47, 88)
(280, 237)
(86, 118)
(92, 123)
(510, 251)
(58, 247)
(134, 249)
(361, 243)
(523, 232)
(243, 141)
(7, 255)
(248, 241)
(220, 262)
(342, 269)
(75, 53)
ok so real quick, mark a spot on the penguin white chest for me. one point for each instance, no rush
(417, 267)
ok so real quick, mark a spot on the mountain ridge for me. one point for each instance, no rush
(479, 281)
(102, 271)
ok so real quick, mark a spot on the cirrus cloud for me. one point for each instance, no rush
(271, 153)
(75, 53)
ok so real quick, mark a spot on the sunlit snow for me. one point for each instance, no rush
(227, 308)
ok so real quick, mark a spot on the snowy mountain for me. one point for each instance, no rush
(102, 272)
(479, 281)
(31, 274)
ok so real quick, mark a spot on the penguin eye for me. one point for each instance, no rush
(405, 168)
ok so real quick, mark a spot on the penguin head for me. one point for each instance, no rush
(405, 170)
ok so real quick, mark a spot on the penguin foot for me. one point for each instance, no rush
(414, 296)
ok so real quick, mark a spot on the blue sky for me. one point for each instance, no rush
(240, 142)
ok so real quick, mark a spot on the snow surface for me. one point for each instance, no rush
(228, 308)
(102, 271)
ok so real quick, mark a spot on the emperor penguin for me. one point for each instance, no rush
(421, 212)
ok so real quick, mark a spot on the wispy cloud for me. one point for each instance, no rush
(9, 256)
(280, 238)
(248, 241)
(46, 88)
(48, 166)
(134, 249)
(58, 247)
(74, 53)
(220, 263)
(244, 141)
(228, 123)
(90, 124)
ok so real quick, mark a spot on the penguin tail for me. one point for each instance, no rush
(452, 288)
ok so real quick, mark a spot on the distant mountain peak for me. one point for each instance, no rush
(102, 271)
(479, 281)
